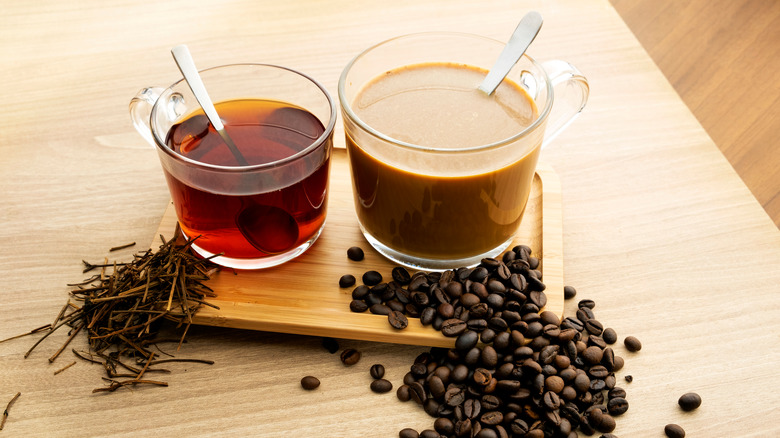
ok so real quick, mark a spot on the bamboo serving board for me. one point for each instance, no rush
(303, 297)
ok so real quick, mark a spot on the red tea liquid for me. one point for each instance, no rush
(265, 222)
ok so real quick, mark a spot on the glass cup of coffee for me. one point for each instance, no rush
(441, 171)
(271, 208)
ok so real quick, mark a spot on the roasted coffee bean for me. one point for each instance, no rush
(381, 386)
(466, 340)
(609, 335)
(360, 292)
(608, 359)
(629, 378)
(572, 323)
(617, 406)
(429, 433)
(453, 327)
(598, 371)
(408, 433)
(330, 344)
(397, 320)
(472, 408)
(401, 275)
(592, 355)
(584, 314)
(554, 384)
(310, 382)
(569, 292)
(358, 306)
(417, 392)
(479, 274)
(379, 309)
(674, 431)
(607, 423)
(355, 253)
(689, 401)
(347, 280)
(469, 299)
(632, 344)
(350, 356)
(377, 371)
(551, 401)
(594, 327)
(396, 305)
(444, 426)
(427, 315)
(371, 278)
(403, 393)
(478, 325)
(454, 396)
(446, 310)
(482, 377)
(431, 407)
(590, 304)
(491, 418)
(436, 387)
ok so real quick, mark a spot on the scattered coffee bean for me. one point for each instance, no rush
(629, 378)
(381, 386)
(377, 371)
(674, 431)
(533, 375)
(347, 280)
(569, 292)
(403, 393)
(355, 253)
(609, 335)
(397, 320)
(632, 344)
(372, 278)
(617, 406)
(401, 275)
(689, 401)
(408, 433)
(310, 382)
(350, 356)
(358, 306)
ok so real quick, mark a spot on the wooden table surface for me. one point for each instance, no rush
(658, 228)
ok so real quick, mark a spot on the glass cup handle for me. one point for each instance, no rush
(141, 111)
(570, 96)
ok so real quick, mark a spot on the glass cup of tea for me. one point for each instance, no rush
(441, 171)
(259, 214)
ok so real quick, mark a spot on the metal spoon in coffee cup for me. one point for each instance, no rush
(518, 43)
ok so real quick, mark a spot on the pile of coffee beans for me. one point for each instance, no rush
(515, 370)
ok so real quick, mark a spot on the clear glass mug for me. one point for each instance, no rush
(439, 207)
(258, 215)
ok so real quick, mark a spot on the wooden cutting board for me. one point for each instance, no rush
(303, 296)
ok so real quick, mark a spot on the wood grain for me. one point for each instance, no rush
(303, 296)
(658, 228)
(720, 57)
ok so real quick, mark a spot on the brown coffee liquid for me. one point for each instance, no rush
(433, 216)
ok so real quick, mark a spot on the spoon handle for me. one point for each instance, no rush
(183, 59)
(521, 38)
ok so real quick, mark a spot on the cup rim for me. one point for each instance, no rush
(254, 167)
(347, 106)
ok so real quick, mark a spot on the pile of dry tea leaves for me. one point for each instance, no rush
(122, 307)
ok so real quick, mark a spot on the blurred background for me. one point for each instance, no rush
(721, 56)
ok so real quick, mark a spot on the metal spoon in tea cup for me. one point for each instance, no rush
(518, 43)
(187, 67)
